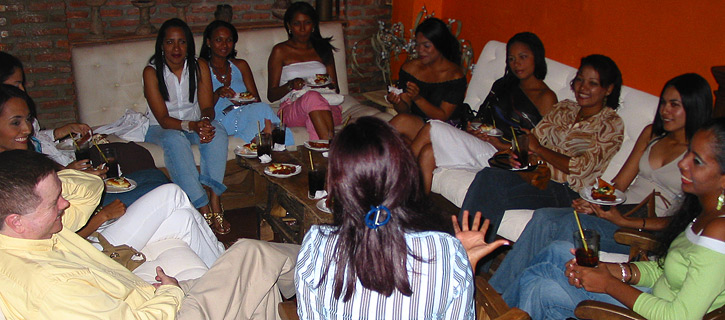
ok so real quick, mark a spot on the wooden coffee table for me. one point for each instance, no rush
(289, 193)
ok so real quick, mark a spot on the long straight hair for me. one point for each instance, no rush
(696, 97)
(370, 166)
(443, 40)
(159, 62)
(323, 46)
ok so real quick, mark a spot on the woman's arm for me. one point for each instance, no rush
(204, 90)
(332, 72)
(247, 76)
(275, 91)
(630, 169)
(113, 210)
(558, 160)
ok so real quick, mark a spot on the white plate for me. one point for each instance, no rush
(586, 194)
(322, 206)
(239, 99)
(495, 132)
(114, 189)
(245, 152)
(311, 82)
(308, 146)
(298, 169)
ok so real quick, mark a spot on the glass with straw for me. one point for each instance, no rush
(586, 244)
(315, 179)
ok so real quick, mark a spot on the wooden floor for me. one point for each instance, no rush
(245, 224)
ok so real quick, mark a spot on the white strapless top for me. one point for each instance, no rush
(301, 70)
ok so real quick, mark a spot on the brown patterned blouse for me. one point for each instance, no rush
(590, 143)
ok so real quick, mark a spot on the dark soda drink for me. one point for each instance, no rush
(586, 258)
(112, 166)
(278, 135)
(83, 154)
(316, 180)
(264, 149)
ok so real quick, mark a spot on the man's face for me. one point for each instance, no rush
(46, 219)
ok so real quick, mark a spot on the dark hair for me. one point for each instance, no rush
(323, 46)
(8, 64)
(205, 51)
(696, 97)
(159, 62)
(8, 92)
(443, 40)
(691, 206)
(609, 74)
(537, 48)
(370, 166)
(20, 173)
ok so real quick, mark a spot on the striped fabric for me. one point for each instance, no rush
(442, 282)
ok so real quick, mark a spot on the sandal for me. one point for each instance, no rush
(219, 218)
(208, 217)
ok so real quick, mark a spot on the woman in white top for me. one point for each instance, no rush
(179, 93)
(305, 54)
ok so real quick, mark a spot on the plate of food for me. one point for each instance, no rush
(318, 80)
(243, 97)
(119, 185)
(322, 205)
(282, 170)
(318, 145)
(603, 193)
(248, 150)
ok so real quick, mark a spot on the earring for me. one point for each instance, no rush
(720, 200)
(290, 32)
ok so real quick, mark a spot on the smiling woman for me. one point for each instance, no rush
(15, 120)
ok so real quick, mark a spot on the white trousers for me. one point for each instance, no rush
(456, 149)
(165, 213)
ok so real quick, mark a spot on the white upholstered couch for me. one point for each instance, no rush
(637, 109)
(108, 78)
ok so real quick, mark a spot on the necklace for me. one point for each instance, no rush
(223, 76)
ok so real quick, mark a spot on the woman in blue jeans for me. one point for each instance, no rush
(179, 93)
(687, 280)
(685, 105)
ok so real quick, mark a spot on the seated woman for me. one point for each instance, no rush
(433, 84)
(305, 54)
(685, 105)
(163, 213)
(179, 94)
(684, 283)
(518, 100)
(575, 139)
(231, 76)
(394, 258)
(12, 73)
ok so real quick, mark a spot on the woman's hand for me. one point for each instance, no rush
(596, 279)
(296, 83)
(113, 210)
(225, 92)
(612, 215)
(98, 171)
(81, 164)
(474, 239)
(412, 90)
(67, 129)
(583, 206)
(393, 98)
(204, 128)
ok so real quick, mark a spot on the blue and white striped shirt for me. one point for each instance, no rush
(442, 282)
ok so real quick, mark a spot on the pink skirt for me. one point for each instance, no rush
(296, 114)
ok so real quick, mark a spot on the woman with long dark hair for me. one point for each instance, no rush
(293, 62)
(517, 100)
(684, 283)
(386, 252)
(179, 93)
(230, 77)
(433, 84)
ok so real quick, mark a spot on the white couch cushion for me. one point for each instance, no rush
(175, 256)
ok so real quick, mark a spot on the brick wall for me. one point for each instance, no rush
(40, 33)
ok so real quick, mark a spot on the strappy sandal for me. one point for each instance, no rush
(208, 217)
(219, 217)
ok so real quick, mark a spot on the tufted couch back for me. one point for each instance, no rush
(636, 108)
(108, 76)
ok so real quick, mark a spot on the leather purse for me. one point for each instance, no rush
(123, 254)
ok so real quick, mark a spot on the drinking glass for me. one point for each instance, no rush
(588, 257)
(265, 144)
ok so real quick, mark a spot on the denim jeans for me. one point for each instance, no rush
(544, 292)
(495, 190)
(181, 165)
(548, 225)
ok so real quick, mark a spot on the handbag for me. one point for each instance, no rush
(537, 175)
(123, 254)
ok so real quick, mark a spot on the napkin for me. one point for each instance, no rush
(319, 194)
(265, 159)
(279, 147)
(325, 154)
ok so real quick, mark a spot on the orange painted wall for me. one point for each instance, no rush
(651, 40)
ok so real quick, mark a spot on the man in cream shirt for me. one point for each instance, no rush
(49, 272)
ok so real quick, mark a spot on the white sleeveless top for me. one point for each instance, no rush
(178, 105)
(301, 70)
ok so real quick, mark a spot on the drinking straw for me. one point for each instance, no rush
(281, 116)
(312, 164)
(259, 132)
(70, 134)
(581, 231)
(346, 121)
(516, 142)
(99, 151)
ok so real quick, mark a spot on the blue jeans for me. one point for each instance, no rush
(146, 180)
(495, 190)
(181, 165)
(544, 291)
(242, 122)
(548, 225)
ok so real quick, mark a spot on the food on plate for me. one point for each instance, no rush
(486, 127)
(246, 96)
(277, 168)
(319, 145)
(119, 182)
(321, 78)
(603, 191)
(251, 147)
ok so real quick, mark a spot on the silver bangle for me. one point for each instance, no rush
(185, 125)
(624, 272)
(205, 118)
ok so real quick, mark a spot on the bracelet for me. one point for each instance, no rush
(185, 125)
(624, 272)
(205, 118)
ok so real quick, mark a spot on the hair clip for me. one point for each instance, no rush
(372, 217)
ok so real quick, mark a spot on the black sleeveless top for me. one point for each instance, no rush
(451, 91)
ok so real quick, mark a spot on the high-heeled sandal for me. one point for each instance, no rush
(208, 217)
(219, 217)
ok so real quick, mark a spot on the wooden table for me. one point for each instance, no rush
(291, 194)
